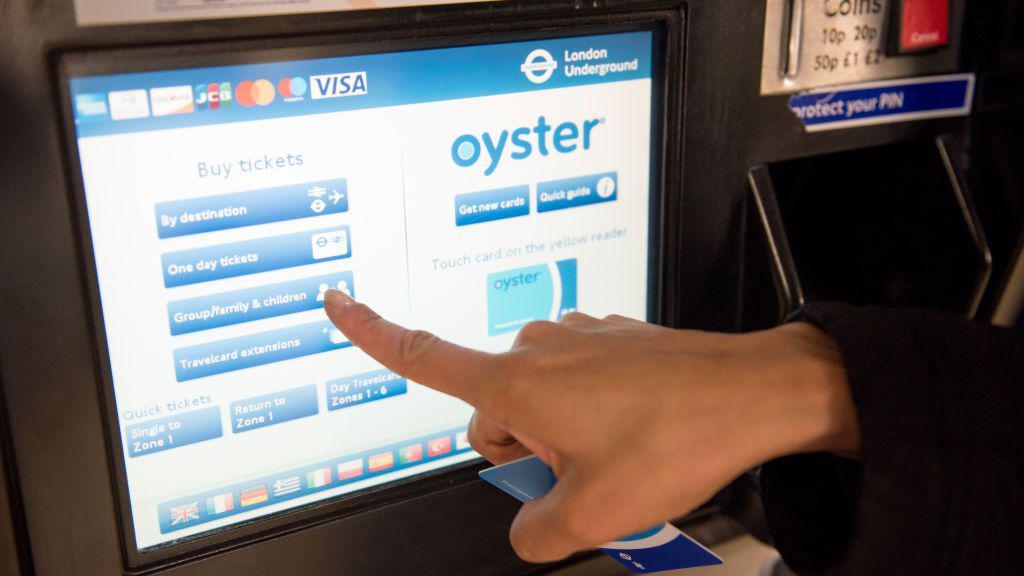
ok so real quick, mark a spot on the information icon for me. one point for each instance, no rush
(606, 187)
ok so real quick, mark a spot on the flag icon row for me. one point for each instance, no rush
(215, 504)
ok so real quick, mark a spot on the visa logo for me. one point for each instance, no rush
(338, 85)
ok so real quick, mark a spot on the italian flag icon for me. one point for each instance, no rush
(318, 478)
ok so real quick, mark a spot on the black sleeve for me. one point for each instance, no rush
(940, 487)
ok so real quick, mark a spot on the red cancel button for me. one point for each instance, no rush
(924, 24)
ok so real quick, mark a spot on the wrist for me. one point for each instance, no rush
(811, 407)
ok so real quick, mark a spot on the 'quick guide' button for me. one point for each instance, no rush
(477, 207)
(579, 191)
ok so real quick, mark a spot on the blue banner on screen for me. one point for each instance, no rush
(371, 81)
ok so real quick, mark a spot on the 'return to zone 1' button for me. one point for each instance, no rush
(579, 191)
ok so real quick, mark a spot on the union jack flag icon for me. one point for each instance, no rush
(185, 513)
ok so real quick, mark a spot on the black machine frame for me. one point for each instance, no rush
(666, 28)
(53, 433)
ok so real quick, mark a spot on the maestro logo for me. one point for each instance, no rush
(539, 66)
(292, 89)
(249, 94)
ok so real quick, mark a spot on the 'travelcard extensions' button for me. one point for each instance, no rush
(256, 350)
(477, 207)
(252, 256)
(579, 191)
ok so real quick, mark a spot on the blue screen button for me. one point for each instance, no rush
(579, 191)
(477, 207)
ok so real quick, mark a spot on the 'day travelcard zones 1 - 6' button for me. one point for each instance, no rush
(655, 550)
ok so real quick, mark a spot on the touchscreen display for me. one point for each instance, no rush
(466, 191)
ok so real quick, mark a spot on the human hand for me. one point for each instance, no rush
(640, 423)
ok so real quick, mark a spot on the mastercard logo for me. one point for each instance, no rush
(292, 87)
(249, 94)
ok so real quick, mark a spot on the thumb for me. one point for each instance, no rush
(552, 527)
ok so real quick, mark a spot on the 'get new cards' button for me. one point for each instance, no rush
(477, 207)
(579, 191)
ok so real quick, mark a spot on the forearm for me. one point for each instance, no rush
(938, 402)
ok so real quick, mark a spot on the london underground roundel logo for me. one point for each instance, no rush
(260, 92)
(539, 66)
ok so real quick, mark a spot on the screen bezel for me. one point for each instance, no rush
(665, 153)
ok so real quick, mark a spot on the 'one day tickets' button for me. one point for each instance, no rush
(256, 350)
(227, 308)
(238, 209)
(477, 207)
(172, 431)
(580, 191)
(252, 256)
(270, 409)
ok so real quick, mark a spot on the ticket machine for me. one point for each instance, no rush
(184, 181)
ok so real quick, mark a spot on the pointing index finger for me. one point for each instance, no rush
(420, 356)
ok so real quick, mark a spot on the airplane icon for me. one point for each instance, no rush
(335, 196)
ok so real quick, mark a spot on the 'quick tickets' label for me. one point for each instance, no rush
(655, 550)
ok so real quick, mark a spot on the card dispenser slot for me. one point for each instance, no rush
(893, 225)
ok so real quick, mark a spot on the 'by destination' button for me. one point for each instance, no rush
(173, 431)
(256, 349)
(580, 191)
(252, 256)
(251, 304)
(477, 207)
(270, 409)
(235, 210)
